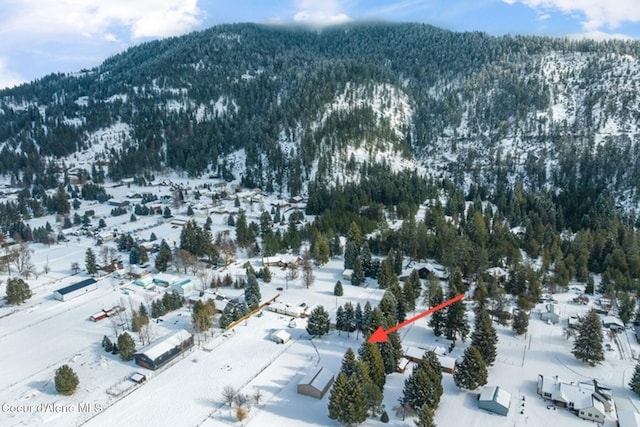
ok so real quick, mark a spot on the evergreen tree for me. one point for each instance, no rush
(484, 337)
(357, 404)
(252, 295)
(266, 274)
(425, 417)
(339, 399)
(348, 362)
(456, 317)
(358, 318)
(107, 344)
(18, 291)
(349, 317)
(340, 321)
(164, 256)
(370, 353)
(224, 320)
(472, 372)
(389, 305)
(521, 322)
(438, 318)
(337, 289)
(318, 323)
(424, 386)
(373, 395)
(635, 380)
(126, 346)
(481, 294)
(321, 250)
(588, 342)
(90, 262)
(357, 277)
(411, 290)
(66, 380)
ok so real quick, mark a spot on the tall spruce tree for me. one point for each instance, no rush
(520, 322)
(424, 386)
(318, 323)
(348, 362)
(357, 276)
(90, 262)
(126, 346)
(456, 317)
(357, 404)
(164, 256)
(588, 343)
(484, 337)
(370, 354)
(438, 319)
(340, 320)
(425, 417)
(373, 394)
(635, 380)
(472, 372)
(252, 294)
(339, 398)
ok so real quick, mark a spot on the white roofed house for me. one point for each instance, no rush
(281, 336)
(316, 382)
(587, 400)
(183, 288)
(495, 399)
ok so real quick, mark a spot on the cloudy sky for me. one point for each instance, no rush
(45, 36)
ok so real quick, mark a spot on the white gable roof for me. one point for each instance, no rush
(496, 394)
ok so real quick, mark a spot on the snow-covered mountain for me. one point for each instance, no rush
(277, 107)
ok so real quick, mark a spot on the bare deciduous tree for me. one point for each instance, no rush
(229, 394)
(257, 396)
(22, 257)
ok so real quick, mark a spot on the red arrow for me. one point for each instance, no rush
(380, 335)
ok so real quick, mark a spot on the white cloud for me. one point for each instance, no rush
(599, 36)
(143, 18)
(597, 13)
(8, 78)
(320, 13)
(110, 37)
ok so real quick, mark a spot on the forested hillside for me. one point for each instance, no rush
(366, 120)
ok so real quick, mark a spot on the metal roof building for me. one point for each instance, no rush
(75, 290)
(316, 383)
(162, 351)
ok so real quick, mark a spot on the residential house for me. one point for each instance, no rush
(550, 314)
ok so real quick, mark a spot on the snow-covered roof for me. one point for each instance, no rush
(158, 348)
(496, 394)
(446, 361)
(612, 320)
(317, 378)
(169, 279)
(414, 352)
(282, 334)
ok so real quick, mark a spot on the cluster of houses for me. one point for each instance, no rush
(587, 400)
